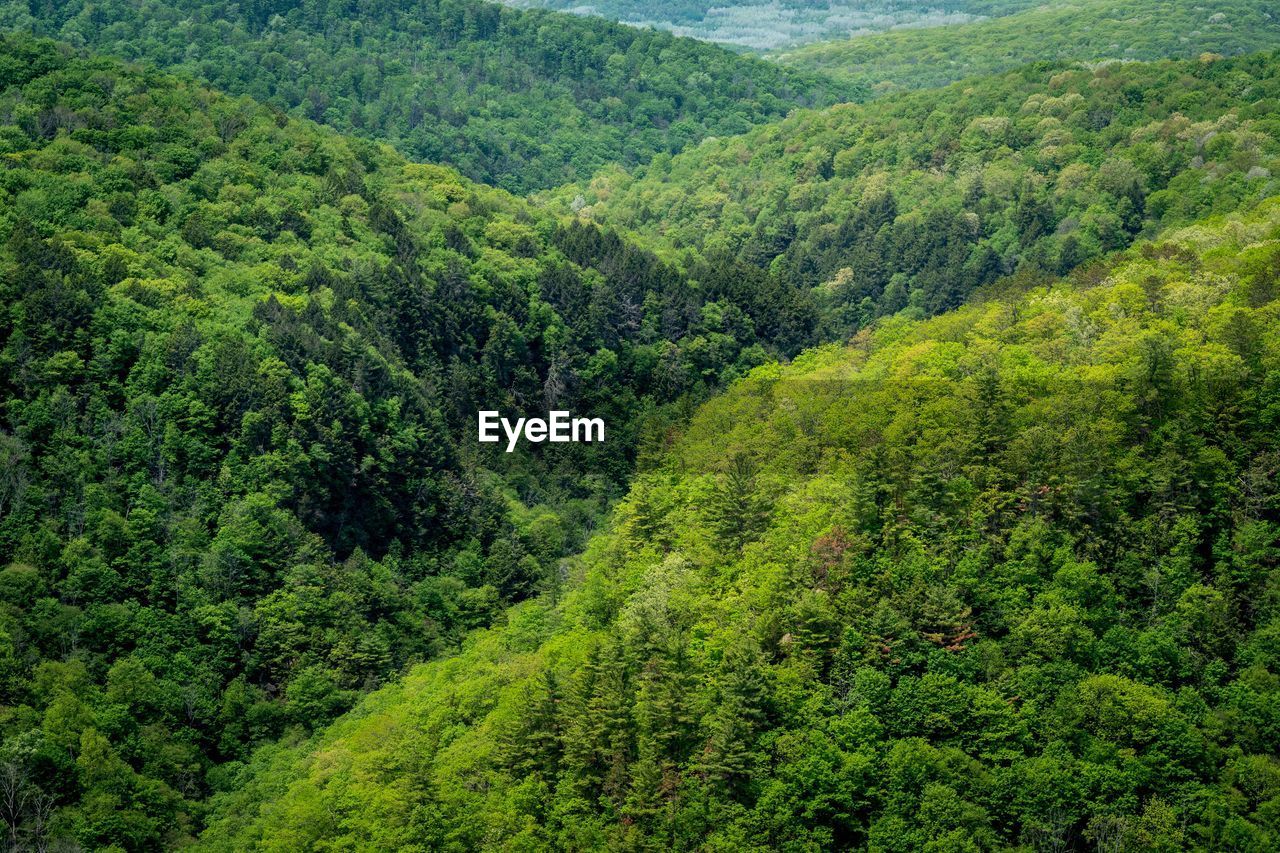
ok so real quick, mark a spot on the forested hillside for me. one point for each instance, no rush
(1010, 576)
(994, 562)
(917, 200)
(516, 99)
(240, 363)
(1080, 30)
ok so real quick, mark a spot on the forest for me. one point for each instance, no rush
(1081, 30)
(939, 505)
(517, 99)
(240, 358)
(1006, 578)
(915, 202)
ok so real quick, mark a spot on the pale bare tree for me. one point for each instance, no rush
(1107, 833)
(14, 791)
(13, 471)
(41, 810)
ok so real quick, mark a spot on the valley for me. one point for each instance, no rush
(438, 425)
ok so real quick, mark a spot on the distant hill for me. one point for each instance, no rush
(916, 200)
(516, 99)
(1077, 30)
(772, 24)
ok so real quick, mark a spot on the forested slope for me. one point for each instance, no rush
(240, 363)
(517, 99)
(873, 597)
(1008, 576)
(916, 200)
(1079, 30)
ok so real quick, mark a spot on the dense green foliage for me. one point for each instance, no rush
(240, 363)
(1006, 578)
(516, 99)
(917, 200)
(1079, 30)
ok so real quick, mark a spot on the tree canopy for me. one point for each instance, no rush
(979, 550)
(240, 363)
(1004, 578)
(1081, 30)
(917, 201)
(514, 98)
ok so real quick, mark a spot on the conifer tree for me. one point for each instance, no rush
(736, 511)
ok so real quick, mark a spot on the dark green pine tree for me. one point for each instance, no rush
(736, 511)
(533, 744)
(728, 753)
(665, 733)
(599, 736)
